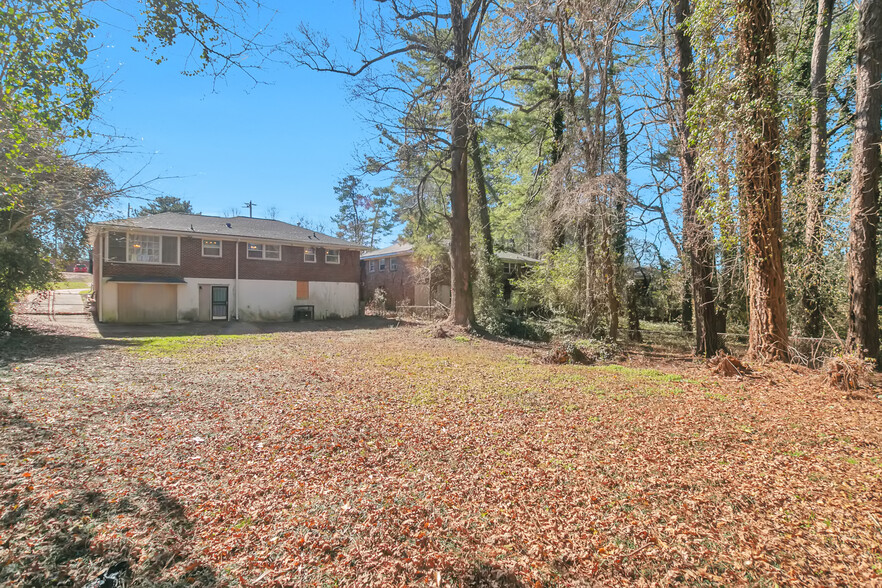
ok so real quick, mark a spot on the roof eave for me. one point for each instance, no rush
(349, 246)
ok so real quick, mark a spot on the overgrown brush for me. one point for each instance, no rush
(848, 372)
(723, 364)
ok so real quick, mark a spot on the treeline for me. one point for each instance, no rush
(732, 144)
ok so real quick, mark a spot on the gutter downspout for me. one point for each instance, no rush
(99, 286)
(237, 280)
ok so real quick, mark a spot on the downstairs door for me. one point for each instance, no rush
(220, 307)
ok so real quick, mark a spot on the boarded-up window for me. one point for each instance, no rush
(116, 246)
(170, 250)
(302, 290)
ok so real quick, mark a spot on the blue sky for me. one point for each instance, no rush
(284, 142)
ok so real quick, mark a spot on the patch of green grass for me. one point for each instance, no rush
(638, 373)
(243, 523)
(69, 285)
(716, 396)
(566, 378)
(170, 346)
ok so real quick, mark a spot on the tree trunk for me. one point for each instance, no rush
(558, 234)
(686, 303)
(811, 295)
(698, 241)
(632, 293)
(727, 279)
(482, 204)
(621, 227)
(760, 181)
(462, 305)
(863, 315)
(610, 274)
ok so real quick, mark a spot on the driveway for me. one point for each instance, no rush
(53, 302)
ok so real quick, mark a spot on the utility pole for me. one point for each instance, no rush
(250, 206)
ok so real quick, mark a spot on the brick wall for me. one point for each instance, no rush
(399, 285)
(291, 267)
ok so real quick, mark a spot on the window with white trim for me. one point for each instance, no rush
(272, 252)
(393, 264)
(211, 248)
(309, 254)
(142, 248)
(332, 256)
(372, 266)
(383, 264)
(263, 251)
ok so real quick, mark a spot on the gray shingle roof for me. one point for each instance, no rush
(237, 226)
(515, 257)
(407, 249)
(392, 250)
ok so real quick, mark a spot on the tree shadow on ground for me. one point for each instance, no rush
(487, 575)
(60, 537)
(23, 345)
(127, 331)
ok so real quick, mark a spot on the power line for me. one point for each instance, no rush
(250, 206)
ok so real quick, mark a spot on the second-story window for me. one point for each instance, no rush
(372, 266)
(145, 248)
(393, 265)
(263, 251)
(142, 248)
(211, 248)
(332, 256)
(272, 252)
(309, 254)
(383, 264)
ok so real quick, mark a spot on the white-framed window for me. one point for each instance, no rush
(383, 264)
(309, 254)
(211, 248)
(372, 266)
(332, 256)
(142, 248)
(263, 251)
(393, 265)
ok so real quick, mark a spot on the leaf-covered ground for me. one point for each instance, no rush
(382, 456)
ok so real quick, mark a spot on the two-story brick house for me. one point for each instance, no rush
(174, 267)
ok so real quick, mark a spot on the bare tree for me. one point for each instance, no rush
(815, 204)
(445, 39)
(698, 239)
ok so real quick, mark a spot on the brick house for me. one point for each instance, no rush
(407, 279)
(174, 267)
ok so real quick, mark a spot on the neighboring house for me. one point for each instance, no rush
(411, 281)
(174, 267)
